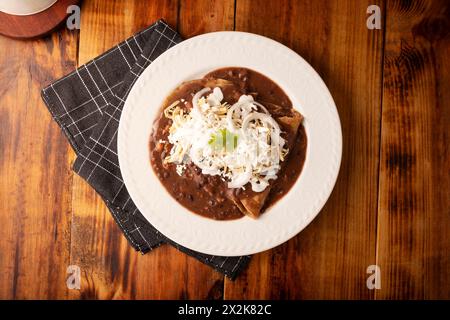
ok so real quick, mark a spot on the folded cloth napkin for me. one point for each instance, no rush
(87, 105)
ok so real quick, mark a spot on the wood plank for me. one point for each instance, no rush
(197, 17)
(35, 184)
(414, 202)
(110, 267)
(329, 258)
(108, 264)
(112, 22)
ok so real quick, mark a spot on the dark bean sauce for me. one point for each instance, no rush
(208, 195)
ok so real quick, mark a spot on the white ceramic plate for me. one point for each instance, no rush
(192, 59)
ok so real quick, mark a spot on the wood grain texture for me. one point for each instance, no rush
(329, 258)
(111, 269)
(35, 184)
(414, 199)
(197, 17)
(390, 206)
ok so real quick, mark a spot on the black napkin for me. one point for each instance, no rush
(87, 105)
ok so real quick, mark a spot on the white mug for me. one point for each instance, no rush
(24, 7)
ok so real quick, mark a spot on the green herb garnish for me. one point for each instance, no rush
(223, 139)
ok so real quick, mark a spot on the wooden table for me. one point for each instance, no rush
(390, 206)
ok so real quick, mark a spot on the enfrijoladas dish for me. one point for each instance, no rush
(229, 144)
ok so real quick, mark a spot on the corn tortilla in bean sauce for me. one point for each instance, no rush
(209, 195)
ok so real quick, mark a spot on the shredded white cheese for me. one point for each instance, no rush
(236, 142)
(180, 169)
